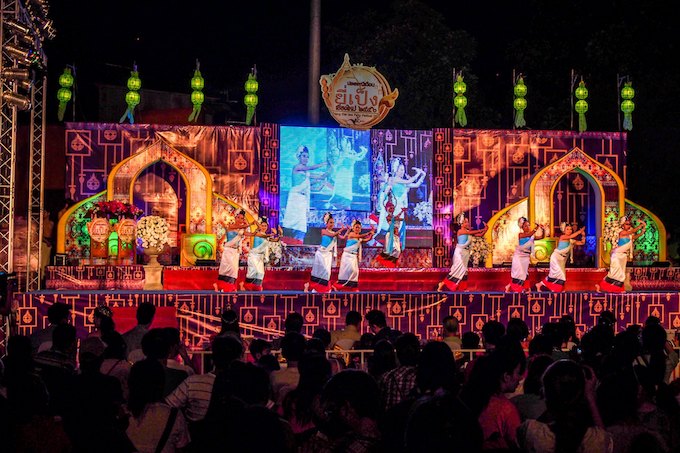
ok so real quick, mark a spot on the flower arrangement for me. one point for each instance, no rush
(152, 232)
(423, 211)
(479, 250)
(611, 232)
(115, 209)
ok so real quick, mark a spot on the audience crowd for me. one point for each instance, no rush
(503, 390)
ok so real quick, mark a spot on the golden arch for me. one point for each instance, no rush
(120, 182)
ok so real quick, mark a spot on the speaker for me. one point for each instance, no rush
(8, 286)
(209, 263)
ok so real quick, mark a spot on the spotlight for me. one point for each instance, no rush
(16, 100)
(25, 56)
(24, 85)
(15, 74)
(17, 27)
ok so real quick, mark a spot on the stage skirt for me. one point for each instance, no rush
(519, 272)
(613, 282)
(297, 207)
(348, 275)
(226, 284)
(321, 268)
(255, 272)
(557, 275)
(456, 280)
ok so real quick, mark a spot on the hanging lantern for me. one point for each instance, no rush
(460, 101)
(627, 105)
(64, 94)
(520, 104)
(250, 99)
(197, 96)
(581, 106)
(132, 98)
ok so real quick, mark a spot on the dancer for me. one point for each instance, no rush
(231, 250)
(323, 258)
(258, 255)
(392, 249)
(522, 258)
(297, 204)
(456, 280)
(557, 275)
(343, 175)
(348, 275)
(613, 282)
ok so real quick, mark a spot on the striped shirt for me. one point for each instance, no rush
(193, 395)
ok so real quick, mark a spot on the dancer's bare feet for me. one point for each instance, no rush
(597, 287)
(440, 287)
(538, 286)
(242, 286)
(215, 287)
(307, 287)
(507, 288)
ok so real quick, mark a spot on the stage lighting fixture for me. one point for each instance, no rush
(25, 56)
(16, 100)
(17, 27)
(24, 85)
(15, 74)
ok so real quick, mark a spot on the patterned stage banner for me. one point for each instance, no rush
(95, 277)
(262, 314)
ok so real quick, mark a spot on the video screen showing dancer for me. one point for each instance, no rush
(322, 169)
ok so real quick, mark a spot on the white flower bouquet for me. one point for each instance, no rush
(423, 211)
(152, 232)
(479, 249)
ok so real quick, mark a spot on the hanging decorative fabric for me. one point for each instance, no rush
(250, 99)
(64, 94)
(627, 105)
(197, 96)
(132, 98)
(520, 103)
(581, 106)
(460, 101)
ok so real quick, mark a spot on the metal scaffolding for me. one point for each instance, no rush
(35, 185)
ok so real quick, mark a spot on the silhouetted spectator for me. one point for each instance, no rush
(450, 333)
(346, 338)
(57, 313)
(377, 324)
(133, 337)
(398, 384)
(155, 345)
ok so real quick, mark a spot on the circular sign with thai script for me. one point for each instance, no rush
(357, 96)
(99, 229)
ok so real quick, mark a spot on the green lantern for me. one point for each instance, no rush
(520, 104)
(460, 101)
(250, 99)
(627, 105)
(581, 106)
(132, 98)
(64, 94)
(197, 96)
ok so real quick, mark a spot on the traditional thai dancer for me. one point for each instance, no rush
(557, 275)
(522, 258)
(231, 251)
(348, 275)
(320, 281)
(297, 203)
(613, 282)
(258, 255)
(392, 248)
(456, 280)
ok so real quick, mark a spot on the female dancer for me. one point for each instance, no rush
(343, 174)
(297, 204)
(323, 258)
(522, 258)
(392, 249)
(558, 259)
(399, 187)
(348, 275)
(456, 280)
(258, 255)
(613, 282)
(231, 251)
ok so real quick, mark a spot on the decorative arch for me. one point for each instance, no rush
(120, 182)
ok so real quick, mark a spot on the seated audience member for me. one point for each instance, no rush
(57, 366)
(469, 340)
(572, 421)
(382, 360)
(177, 349)
(156, 346)
(133, 337)
(377, 324)
(493, 375)
(450, 333)
(299, 404)
(657, 352)
(103, 321)
(286, 379)
(531, 404)
(346, 338)
(57, 313)
(492, 332)
(115, 360)
(258, 348)
(193, 394)
(150, 417)
(398, 384)
(518, 330)
(349, 409)
(229, 325)
(293, 323)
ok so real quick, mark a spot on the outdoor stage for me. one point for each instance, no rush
(405, 295)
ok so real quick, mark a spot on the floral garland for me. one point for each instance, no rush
(479, 250)
(115, 209)
(152, 232)
(611, 232)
